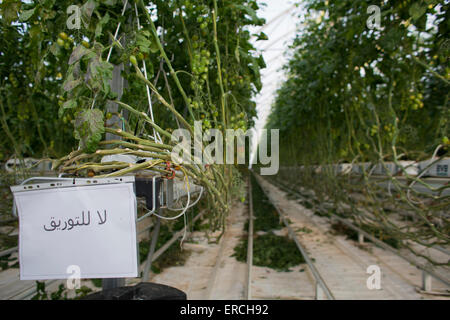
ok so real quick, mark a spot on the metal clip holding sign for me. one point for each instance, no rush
(141, 191)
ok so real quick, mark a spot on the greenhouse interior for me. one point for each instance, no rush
(225, 150)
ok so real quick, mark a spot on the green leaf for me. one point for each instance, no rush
(26, 14)
(254, 67)
(89, 128)
(47, 3)
(110, 2)
(262, 36)
(417, 10)
(78, 53)
(69, 104)
(99, 75)
(261, 62)
(146, 33)
(100, 25)
(70, 83)
(9, 10)
(87, 9)
(55, 49)
(251, 13)
(143, 43)
(154, 47)
(106, 72)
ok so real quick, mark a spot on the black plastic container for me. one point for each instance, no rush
(141, 291)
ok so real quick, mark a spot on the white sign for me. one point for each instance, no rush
(92, 227)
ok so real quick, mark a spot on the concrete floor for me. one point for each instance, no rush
(211, 273)
(343, 264)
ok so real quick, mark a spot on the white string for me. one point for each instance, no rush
(148, 214)
(182, 213)
(184, 209)
(157, 137)
(177, 196)
(184, 233)
(193, 204)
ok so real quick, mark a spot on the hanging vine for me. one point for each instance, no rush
(170, 49)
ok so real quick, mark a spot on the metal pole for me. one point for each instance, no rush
(320, 295)
(360, 238)
(148, 263)
(117, 85)
(177, 235)
(426, 281)
(169, 202)
(250, 242)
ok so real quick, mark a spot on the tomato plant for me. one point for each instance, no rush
(361, 95)
(193, 72)
(29, 80)
(353, 91)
